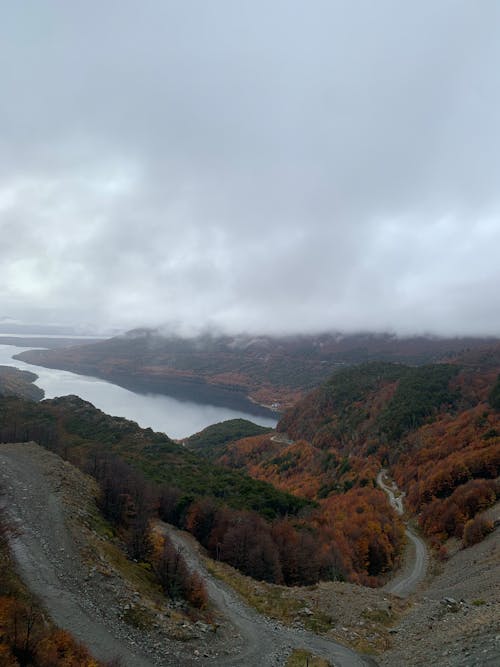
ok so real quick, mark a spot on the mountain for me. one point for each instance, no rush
(239, 371)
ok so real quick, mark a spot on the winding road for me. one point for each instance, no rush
(50, 563)
(415, 569)
(265, 642)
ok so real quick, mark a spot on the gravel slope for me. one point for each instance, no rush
(41, 495)
(48, 560)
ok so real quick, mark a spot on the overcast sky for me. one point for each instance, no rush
(274, 166)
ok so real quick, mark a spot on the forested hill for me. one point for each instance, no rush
(77, 430)
(270, 371)
(436, 426)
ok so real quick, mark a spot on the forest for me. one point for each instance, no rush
(268, 370)
(437, 427)
(301, 506)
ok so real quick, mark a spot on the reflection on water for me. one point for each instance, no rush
(162, 413)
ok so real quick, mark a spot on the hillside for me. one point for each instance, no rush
(437, 427)
(78, 430)
(108, 598)
(239, 371)
(211, 441)
(14, 382)
(262, 530)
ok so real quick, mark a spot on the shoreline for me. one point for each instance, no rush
(192, 390)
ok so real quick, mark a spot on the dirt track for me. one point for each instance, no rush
(415, 568)
(51, 565)
(48, 560)
(265, 642)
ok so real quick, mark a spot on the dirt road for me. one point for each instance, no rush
(49, 560)
(415, 567)
(265, 642)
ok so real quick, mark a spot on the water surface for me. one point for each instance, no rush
(162, 413)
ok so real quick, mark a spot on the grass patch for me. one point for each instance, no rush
(379, 616)
(99, 525)
(478, 602)
(267, 599)
(139, 575)
(138, 617)
(300, 658)
(319, 622)
(270, 600)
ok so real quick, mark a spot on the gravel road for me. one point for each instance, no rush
(415, 568)
(266, 643)
(50, 562)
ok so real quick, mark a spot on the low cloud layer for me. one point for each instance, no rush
(274, 167)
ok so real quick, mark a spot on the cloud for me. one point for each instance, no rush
(273, 167)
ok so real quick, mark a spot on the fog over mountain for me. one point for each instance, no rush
(282, 166)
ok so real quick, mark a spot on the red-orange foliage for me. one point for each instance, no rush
(366, 532)
(25, 639)
(476, 529)
(175, 577)
(450, 474)
(299, 468)
(59, 648)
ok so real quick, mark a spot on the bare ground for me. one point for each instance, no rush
(61, 560)
(70, 565)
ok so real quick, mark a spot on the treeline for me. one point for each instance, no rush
(74, 428)
(352, 537)
(276, 552)
(130, 503)
(27, 638)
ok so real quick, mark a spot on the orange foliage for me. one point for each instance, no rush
(449, 476)
(299, 468)
(59, 648)
(366, 532)
(26, 639)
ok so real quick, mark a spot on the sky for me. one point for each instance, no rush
(274, 166)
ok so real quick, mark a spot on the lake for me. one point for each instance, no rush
(176, 418)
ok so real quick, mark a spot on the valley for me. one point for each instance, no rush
(334, 529)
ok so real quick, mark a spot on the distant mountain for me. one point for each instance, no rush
(240, 371)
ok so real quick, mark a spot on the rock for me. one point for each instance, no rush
(451, 604)
(202, 626)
